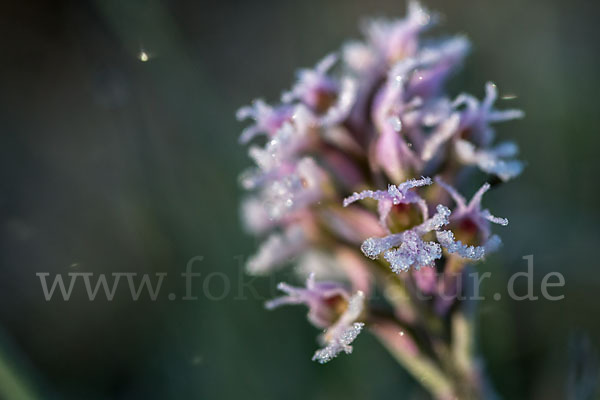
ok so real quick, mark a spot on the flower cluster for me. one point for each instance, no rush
(347, 167)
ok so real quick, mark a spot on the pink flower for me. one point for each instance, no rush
(377, 118)
(406, 249)
(395, 195)
(477, 116)
(267, 119)
(472, 214)
(322, 299)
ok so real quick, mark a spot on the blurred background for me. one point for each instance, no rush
(111, 161)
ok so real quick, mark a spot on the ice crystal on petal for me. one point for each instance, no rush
(411, 249)
(373, 247)
(395, 195)
(439, 219)
(339, 336)
(341, 343)
(472, 211)
(497, 220)
(446, 239)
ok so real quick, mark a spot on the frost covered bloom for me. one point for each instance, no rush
(410, 249)
(475, 146)
(324, 301)
(393, 196)
(470, 215)
(343, 169)
(323, 94)
(339, 336)
(267, 119)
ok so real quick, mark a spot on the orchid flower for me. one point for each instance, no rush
(373, 123)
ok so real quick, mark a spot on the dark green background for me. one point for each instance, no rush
(115, 165)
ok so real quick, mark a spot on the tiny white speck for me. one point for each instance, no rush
(143, 56)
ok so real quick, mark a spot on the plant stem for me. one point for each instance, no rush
(405, 351)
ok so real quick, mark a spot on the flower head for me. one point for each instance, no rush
(376, 118)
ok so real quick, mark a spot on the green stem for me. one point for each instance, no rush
(404, 349)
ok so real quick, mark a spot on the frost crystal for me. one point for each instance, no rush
(393, 196)
(446, 238)
(473, 213)
(339, 344)
(411, 249)
(339, 336)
